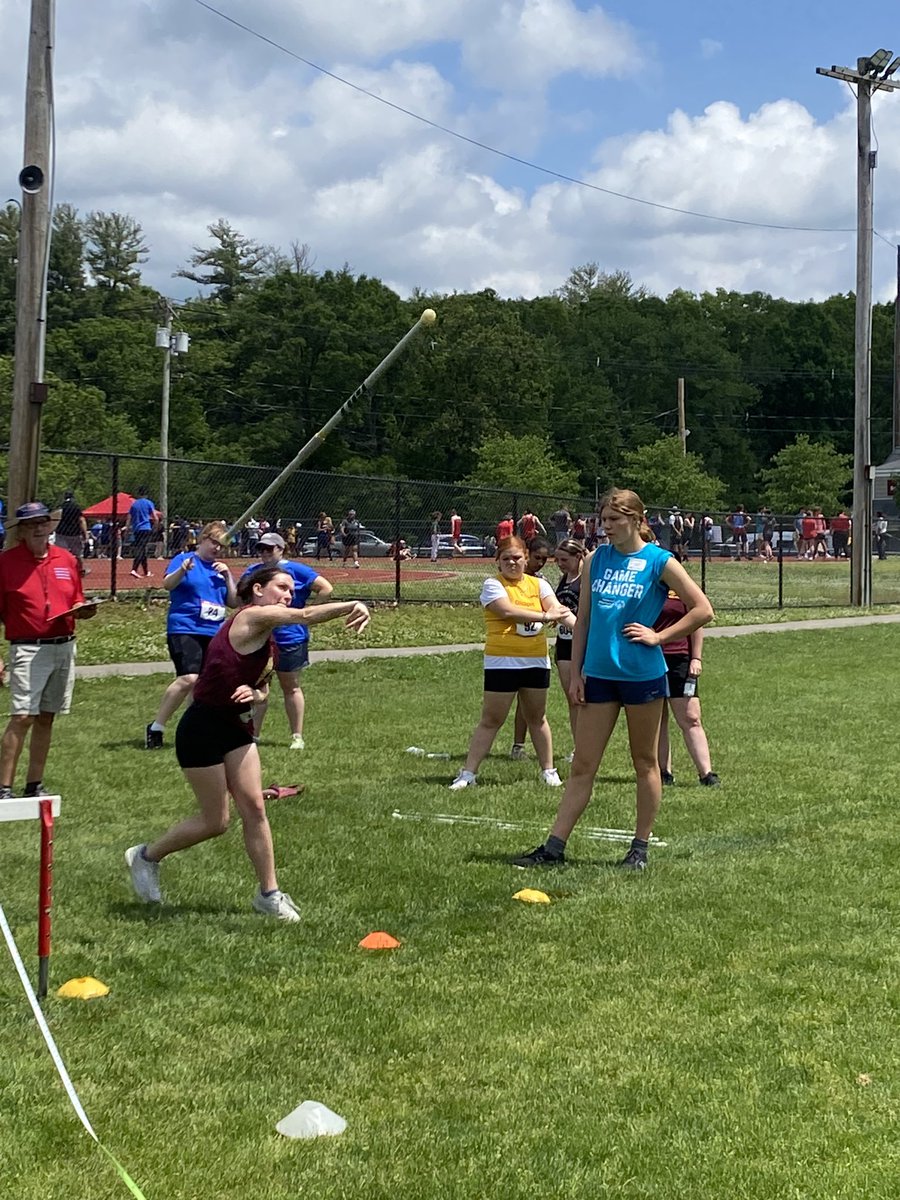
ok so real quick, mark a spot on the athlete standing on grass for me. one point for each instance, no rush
(617, 662)
(684, 662)
(517, 609)
(538, 551)
(200, 588)
(215, 743)
(292, 640)
(570, 557)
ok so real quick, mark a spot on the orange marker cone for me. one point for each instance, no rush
(378, 941)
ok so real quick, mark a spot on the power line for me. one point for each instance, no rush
(522, 162)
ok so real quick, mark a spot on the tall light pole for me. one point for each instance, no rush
(170, 344)
(871, 74)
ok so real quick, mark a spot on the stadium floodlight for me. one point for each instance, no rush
(892, 68)
(875, 63)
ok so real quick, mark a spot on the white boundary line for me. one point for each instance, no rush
(595, 833)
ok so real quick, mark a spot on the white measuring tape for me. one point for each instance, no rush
(595, 833)
(57, 1058)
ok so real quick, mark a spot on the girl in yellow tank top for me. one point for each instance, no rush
(517, 610)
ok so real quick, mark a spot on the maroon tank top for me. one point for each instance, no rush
(224, 670)
(673, 610)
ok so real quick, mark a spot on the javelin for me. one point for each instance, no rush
(427, 318)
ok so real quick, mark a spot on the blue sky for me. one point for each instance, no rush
(171, 114)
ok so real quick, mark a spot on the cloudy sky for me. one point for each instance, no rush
(172, 114)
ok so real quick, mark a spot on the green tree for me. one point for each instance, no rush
(806, 473)
(525, 464)
(662, 475)
(9, 252)
(588, 280)
(231, 265)
(115, 250)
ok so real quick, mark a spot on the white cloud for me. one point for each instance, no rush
(709, 48)
(175, 118)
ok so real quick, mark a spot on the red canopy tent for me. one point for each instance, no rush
(104, 508)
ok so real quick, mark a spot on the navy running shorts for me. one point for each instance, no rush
(625, 691)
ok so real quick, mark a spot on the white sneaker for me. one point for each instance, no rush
(144, 875)
(463, 780)
(570, 757)
(279, 905)
(551, 777)
(297, 742)
(517, 753)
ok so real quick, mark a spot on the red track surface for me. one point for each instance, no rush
(372, 570)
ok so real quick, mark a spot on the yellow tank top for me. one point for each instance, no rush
(515, 639)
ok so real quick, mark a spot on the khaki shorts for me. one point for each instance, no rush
(41, 678)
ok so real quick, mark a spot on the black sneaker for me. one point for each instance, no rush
(711, 780)
(668, 778)
(37, 792)
(154, 738)
(540, 857)
(634, 860)
(6, 793)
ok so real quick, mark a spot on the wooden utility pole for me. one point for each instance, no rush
(682, 429)
(34, 238)
(871, 74)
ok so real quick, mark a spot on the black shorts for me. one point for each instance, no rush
(205, 735)
(502, 679)
(188, 652)
(563, 651)
(677, 673)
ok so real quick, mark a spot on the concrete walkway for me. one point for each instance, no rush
(317, 656)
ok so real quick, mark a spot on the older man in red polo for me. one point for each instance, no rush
(40, 597)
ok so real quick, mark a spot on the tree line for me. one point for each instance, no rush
(562, 391)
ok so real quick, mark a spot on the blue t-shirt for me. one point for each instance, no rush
(2, 526)
(625, 588)
(197, 604)
(142, 514)
(304, 577)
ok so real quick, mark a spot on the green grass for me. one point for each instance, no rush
(133, 630)
(698, 1031)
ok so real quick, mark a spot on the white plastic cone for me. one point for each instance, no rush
(311, 1119)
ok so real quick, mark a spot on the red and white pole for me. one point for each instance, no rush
(45, 897)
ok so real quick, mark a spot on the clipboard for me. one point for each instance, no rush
(84, 604)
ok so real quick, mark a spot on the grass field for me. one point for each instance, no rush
(723, 1026)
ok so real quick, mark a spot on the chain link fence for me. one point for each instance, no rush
(405, 551)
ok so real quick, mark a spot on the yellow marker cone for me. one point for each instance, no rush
(85, 988)
(532, 896)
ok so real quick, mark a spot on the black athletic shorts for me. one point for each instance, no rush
(188, 652)
(499, 679)
(677, 672)
(563, 651)
(205, 735)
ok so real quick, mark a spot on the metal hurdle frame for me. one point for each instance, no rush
(44, 809)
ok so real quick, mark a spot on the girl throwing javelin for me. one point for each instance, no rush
(214, 742)
(517, 609)
(617, 662)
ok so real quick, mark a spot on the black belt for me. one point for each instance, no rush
(60, 641)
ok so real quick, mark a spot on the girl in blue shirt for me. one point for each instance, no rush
(617, 663)
(201, 590)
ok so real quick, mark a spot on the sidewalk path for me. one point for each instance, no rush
(316, 656)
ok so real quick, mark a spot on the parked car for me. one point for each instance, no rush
(471, 546)
(370, 546)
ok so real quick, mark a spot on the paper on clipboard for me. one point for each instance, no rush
(84, 604)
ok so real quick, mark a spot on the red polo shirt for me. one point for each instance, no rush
(33, 590)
